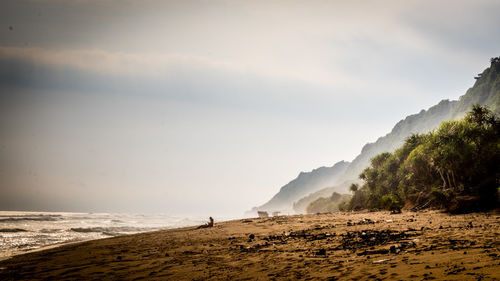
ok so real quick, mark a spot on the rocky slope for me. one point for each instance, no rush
(305, 183)
(486, 91)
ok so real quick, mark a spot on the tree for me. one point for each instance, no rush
(455, 166)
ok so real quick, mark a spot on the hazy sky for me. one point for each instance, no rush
(209, 107)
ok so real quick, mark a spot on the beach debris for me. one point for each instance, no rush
(252, 248)
(454, 270)
(251, 236)
(383, 260)
(361, 222)
(373, 252)
(303, 234)
(368, 238)
(262, 214)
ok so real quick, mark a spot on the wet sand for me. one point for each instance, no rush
(343, 246)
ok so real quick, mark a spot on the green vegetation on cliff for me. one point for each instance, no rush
(301, 205)
(328, 204)
(455, 167)
(486, 91)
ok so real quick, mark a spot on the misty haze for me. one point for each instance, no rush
(195, 140)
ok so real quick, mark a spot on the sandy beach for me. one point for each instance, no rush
(343, 246)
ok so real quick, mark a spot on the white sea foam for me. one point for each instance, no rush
(25, 231)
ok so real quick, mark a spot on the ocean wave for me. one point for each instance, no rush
(116, 230)
(17, 218)
(112, 233)
(50, 230)
(12, 230)
(29, 215)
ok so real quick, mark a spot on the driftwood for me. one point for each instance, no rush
(421, 206)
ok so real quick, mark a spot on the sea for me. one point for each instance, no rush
(22, 232)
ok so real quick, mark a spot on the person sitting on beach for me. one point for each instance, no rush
(208, 224)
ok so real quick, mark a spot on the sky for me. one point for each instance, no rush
(209, 107)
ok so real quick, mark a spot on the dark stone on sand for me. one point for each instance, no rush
(119, 258)
(321, 252)
(251, 236)
(392, 249)
(373, 252)
(167, 255)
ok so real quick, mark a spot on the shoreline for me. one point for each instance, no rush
(344, 246)
(62, 244)
(26, 231)
(46, 247)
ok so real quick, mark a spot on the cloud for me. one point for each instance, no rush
(111, 63)
(160, 77)
(127, 94)
(465, 25)
(315, 43)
